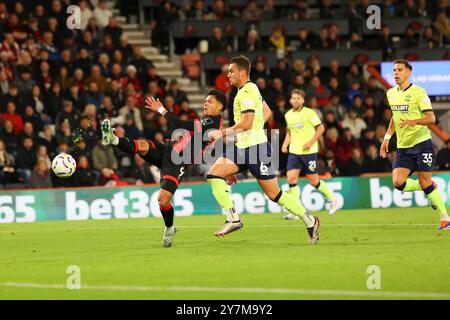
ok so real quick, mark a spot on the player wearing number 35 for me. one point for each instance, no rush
(411, 114)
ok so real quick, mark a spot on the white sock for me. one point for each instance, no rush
(232, 216)
(308, 219)
(115, 140)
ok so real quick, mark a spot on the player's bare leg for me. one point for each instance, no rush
(433, 195)
(294, 190)
(165, 205)
(221, 169)
(273, 191)
(322, 187)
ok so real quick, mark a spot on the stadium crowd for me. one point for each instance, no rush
(57, 84)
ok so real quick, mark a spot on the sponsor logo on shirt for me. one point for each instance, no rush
(400, 108)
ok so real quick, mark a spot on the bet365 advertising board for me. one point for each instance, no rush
(190, 199)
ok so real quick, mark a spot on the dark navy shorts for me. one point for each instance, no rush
(418, 158)
(305, 162)
(258, 159)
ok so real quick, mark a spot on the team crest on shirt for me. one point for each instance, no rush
(408, 98)
(206, 121)
(400, 107)
(298, 125)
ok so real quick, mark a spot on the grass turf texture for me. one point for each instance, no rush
(268, 253)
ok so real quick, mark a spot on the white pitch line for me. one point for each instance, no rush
(247, 226)
(338, 293)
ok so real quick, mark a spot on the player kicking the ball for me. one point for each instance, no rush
(252, 151)
(161, 154)
(304, 129)
(411, 114)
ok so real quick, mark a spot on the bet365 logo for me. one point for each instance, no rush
(74, 20)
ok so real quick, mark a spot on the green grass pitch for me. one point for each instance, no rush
(268, 259)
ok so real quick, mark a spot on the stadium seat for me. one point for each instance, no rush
(191, 65)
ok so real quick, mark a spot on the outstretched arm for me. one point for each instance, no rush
(157, 106)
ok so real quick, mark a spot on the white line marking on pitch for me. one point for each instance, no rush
(247, 226)
(349, 293)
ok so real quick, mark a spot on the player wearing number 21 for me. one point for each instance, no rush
(411, 114)
(304, 128)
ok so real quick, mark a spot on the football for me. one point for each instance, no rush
(64, 165)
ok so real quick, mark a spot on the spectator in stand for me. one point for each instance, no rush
(40, 177)
(139, 61)
(355, 164)
(375, 91)
(302, 41)
(252, 42)
(354, 123)
(260, 71)
(11, 48)
(275, 90)
(28, 132)
(7, 171)
(113, 30)
(132, 78)
(142, 171)
(374, 163)
(96, 77)
(218, 12)
(222, 82)
(301, 11)
(326, 10)
(386, 44)
(42, 155)
(25, 83)
(251, 13)
(85, 14)
(443, 25)
(218, 43)
(15, 118)
(175, 92)
(334, 37)
(283, 72)
(131, 131)
(102, 13)
(430, 38)
(47, 139)
(69, 113)
(26, 159)
(77, 98)
(165, 14)
(443, 157)
(125, 48)
(130, 108)
(277, 41)
(320, 92)
(93, 95)
(84, 176)
(105, 161)
(368, 138)
(10, 137)
(330, 121)
(353, 92)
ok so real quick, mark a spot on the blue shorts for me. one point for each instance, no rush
(258, 159)
(305, 162)
(418, 158)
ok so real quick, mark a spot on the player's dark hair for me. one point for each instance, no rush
(404, 62)
(242, 62)
(220, 96)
